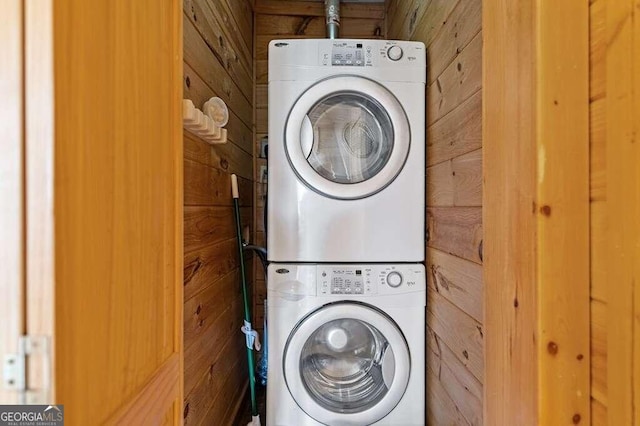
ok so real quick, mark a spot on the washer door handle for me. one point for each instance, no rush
(388, 367)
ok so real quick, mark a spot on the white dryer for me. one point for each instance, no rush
(346, 345)
(346, 151)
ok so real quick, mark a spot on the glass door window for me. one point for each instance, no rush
(352, 137)
(347, 363)
(342, 365)
(347, 137)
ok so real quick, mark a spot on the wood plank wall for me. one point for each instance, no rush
(451, 30)
(281, 19)
(218, 61)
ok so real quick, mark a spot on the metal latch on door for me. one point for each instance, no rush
(29, 371)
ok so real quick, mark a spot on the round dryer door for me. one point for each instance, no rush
(347, 137)
(347, 363)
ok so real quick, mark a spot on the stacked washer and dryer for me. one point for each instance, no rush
(346, 283)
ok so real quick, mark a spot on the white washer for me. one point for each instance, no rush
(346, 151)
(346, 345)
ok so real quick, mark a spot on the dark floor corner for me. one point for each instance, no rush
(244, 413)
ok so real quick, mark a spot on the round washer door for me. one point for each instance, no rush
(347, 137)
(347, 363)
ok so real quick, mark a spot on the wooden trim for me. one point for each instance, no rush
(536, 212)
(563, 268)
(623, 211)
(11, 182)
(39, 155)
(635, 224)
(154, 400)
(509, 273)
(178, 344)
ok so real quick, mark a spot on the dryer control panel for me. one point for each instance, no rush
(370, 53)
(371, 279)
(316, 59)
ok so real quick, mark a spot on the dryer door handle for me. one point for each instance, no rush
(306, 136)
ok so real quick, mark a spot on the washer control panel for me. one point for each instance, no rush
(349, 54)
(344, 280)
(370, 279)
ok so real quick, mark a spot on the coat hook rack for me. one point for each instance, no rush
(207, 126)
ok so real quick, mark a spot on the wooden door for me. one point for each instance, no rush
(104, 205)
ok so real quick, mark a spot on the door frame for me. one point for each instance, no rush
(39, 190)
(536, 212)
(12, 272)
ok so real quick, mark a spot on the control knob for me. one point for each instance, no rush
(394, 279)
(394, 53)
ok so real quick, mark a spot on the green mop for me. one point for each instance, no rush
(250, 334)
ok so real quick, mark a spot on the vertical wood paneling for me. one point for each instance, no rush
(635, 192)
(599, 352)
(615, 206)
(597, 49)
(536, 212)
(598, 210)
(218, 61)
(451, 31)
(623, 210)
(563, 221)
(597, 142)
(509, 215)
(598, 413)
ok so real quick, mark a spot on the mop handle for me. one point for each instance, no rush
(234, 186)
